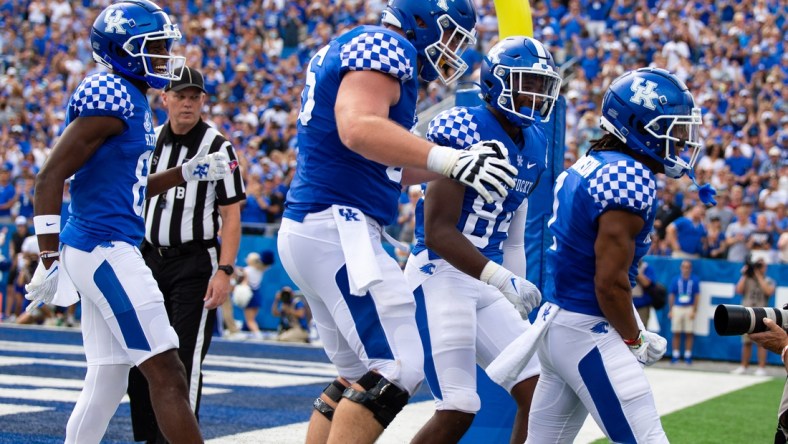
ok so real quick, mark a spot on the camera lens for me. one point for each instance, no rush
(732, 320)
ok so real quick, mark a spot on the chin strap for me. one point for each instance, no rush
(706, 192)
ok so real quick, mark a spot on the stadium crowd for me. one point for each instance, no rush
(732, 54)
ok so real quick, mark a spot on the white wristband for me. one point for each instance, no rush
(441, 159)
(47, 224)
(495, 275)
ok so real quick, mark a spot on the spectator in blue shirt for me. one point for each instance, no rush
(738, 163)
(687, 234)
(8, 195)
(683, 299)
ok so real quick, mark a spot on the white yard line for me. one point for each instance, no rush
(673, 390)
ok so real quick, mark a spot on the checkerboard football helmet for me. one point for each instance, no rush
(120, 38)
(653, 112)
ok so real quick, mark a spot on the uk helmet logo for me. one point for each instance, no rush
(114, 20)
(644, 93)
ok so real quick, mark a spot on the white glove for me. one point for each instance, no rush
(484, 163)
(651, 349)
(43, 286)
(520, 292)
(207, 167)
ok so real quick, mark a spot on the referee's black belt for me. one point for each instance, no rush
(191, 247)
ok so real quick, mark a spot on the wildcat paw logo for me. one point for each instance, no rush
(428, 269)
(114, 20)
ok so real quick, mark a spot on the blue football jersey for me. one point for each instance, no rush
(108, 191)
(598, 182)
(485, 225)
(328, 172)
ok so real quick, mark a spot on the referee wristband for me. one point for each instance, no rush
(47, 224)
(782, 355)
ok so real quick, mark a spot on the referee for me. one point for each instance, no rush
(181, 246)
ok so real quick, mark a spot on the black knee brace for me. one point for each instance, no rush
(382, 397)
(334, 393)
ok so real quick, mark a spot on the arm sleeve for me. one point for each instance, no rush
(455, 127)
(514, 245)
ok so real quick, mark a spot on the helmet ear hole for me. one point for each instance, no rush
(420, 22)
(118, 51)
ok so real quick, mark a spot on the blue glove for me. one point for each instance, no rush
(706, 192)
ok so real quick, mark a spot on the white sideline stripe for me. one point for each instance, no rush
(38, 347)
(15, 409)
(70, 396)
(273, 365)
(408, 422)
(673, 390)
(287, 366)
(678, 389)
(16, 360)
(254, 379)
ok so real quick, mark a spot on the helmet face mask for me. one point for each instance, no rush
(139, 46)
(680, 133)
(653, 113)
(445, 54)
(528, 93)
(440, 30)
(519, 78)
(125, 39)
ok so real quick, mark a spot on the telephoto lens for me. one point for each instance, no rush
(730, 320)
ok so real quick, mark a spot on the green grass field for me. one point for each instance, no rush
(747, 416)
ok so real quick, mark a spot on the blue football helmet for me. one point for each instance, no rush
(519, 67)
(120, 38)
(439, 29)
(653, 113)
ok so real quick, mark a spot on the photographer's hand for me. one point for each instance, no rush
(774, 339)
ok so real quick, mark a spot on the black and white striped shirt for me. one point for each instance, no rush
(189, 211)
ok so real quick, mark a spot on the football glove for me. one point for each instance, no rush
(651, 349)
(483, 164)
(43, 286)
(206, 167)
(520, 292)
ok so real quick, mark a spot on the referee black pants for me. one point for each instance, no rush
(182, 274)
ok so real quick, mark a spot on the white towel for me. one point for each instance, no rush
(362, 268)
(505, 369)
(66, 294)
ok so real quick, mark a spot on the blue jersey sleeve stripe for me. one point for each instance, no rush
(623, 185)
(376, 52)
(455, 127)
(103, 94)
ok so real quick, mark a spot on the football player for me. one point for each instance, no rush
(594, 350)
(106, 147)
(357, 108)
(469, 256)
